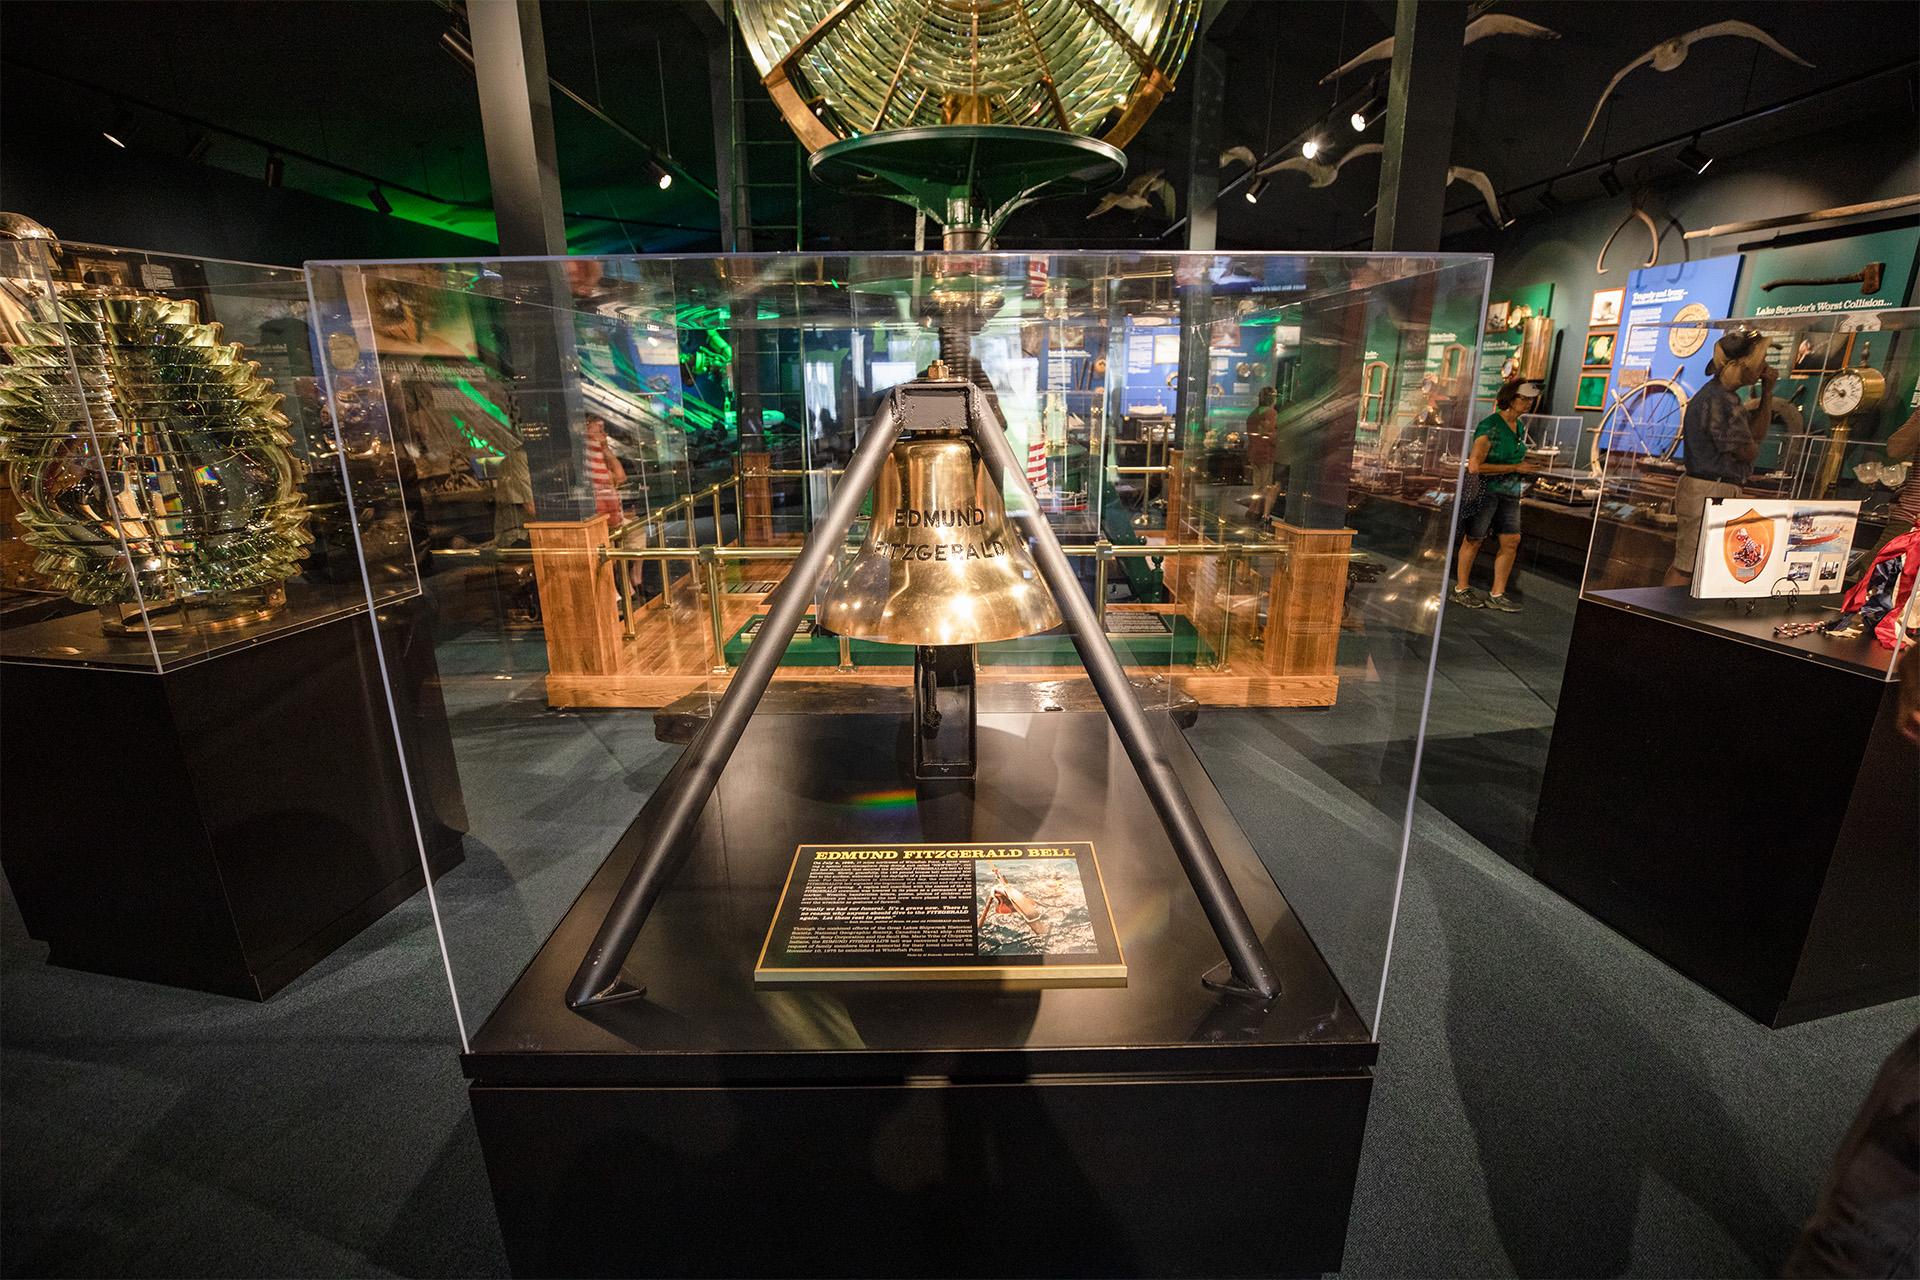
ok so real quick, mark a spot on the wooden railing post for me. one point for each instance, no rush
(1309, 597)
(756, 522)
(578, 599)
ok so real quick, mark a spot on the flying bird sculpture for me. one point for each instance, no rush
(1492, 24)
(1484, 185)
(1318, 173)
(1476, 179)
(1139, 194)
(1669, 54)
(1236, 155)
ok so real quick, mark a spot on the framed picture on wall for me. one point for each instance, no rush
(1497, 317)
(1606, 308)
(1599, 349)
(1592, 392)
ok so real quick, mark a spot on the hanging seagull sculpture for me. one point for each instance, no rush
(1484, 185)
(1237, 155)
(1474, 178)
(1669, 54)
(1492, 24)
(1319, 174)
(1138, 195)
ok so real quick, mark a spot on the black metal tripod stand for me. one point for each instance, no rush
(683, 793)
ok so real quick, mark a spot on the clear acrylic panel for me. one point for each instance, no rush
(172, 487)
(1787, 545)
(609, 464)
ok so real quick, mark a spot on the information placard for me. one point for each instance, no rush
(1772, 547)
(865, 913)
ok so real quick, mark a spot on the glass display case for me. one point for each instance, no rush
(182, 574)
(1827, 487)
(1726, 783)
(623, 471)
(173, 488)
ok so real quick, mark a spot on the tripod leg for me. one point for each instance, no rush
(683, 793)
(1251, 970)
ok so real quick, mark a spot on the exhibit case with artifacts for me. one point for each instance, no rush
(183, 628)
(1727, 784)
(844, 652)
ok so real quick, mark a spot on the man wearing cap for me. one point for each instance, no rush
(1720, 438)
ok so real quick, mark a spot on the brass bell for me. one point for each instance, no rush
(939, 565)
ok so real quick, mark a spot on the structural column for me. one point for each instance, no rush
(1422, 96)
(1207, 82)
(516, 116)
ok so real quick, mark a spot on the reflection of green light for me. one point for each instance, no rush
(474, 441)
(623, 364)
(694, 316)
(487, 406)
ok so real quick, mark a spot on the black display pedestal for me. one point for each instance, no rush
(710, 1128)
(1743, 808)
(226, 824)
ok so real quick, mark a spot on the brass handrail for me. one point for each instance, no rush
(790, 553)
(710, 556)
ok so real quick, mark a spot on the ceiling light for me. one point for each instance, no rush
(1366, 113)
(660, 174)
(1311, 147)
(1549, 201)
(276, 170)
(1693, 157)
(1253, 191)
(379, 200)
(1610, 180)
(115, 141)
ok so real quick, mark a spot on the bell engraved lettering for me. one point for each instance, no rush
(939, 565)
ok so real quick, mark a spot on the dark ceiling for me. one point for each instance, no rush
(366, 85)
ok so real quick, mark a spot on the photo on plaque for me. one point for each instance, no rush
(1007, 912)
(1040, 911)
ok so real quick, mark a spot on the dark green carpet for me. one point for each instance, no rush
(1551, 1101)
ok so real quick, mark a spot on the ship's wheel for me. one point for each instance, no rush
(1646, 419)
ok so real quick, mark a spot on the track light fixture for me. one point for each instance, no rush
(1610, 181)
(1366, 113)
(276, 170)
(1693, 157)
(1253, 191)
(1312, 147)
(660, 174)
(379, 200)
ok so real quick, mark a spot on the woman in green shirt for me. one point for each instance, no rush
(1497, 456)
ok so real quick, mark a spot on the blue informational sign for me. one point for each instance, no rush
(1663, 335)
(1152, 353)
